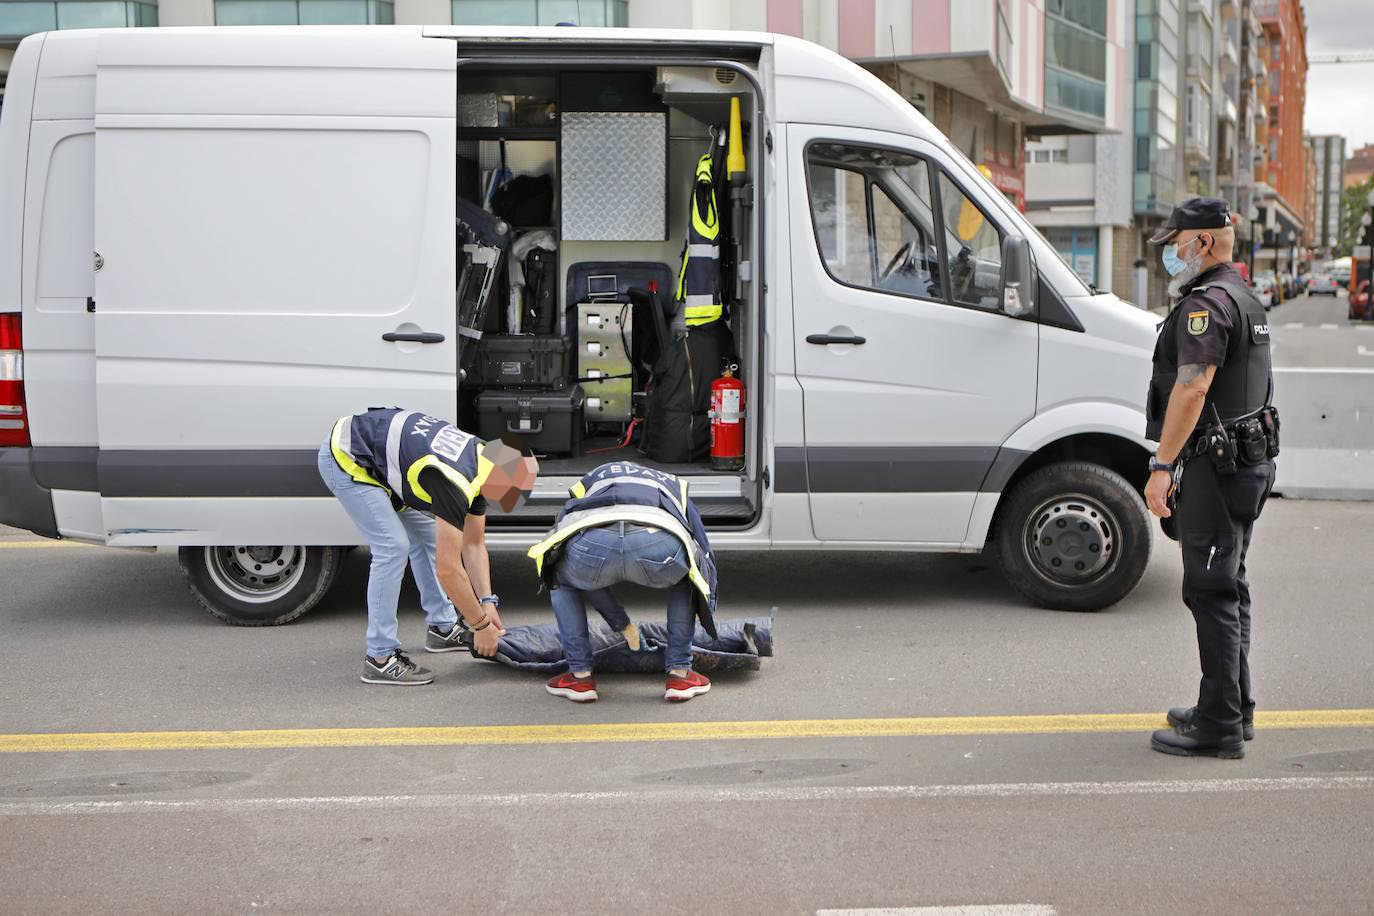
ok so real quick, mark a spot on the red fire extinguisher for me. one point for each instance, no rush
(727, 422)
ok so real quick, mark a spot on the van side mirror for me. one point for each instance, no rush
(1020, 280)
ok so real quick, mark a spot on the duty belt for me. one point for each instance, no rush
(1200, 443)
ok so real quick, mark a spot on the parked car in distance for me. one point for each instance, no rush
(1322, 285)
(1264, 291)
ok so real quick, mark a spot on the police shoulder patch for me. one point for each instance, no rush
(1197, 322)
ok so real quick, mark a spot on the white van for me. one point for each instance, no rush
(205, 234)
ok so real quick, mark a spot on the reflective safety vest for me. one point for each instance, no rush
(698, 282)
(389, 447)
(624, 491)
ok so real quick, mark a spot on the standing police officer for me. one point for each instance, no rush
(1209, 409)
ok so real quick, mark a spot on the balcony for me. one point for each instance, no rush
(1230, 114)
(1230, 55)
(1202, 8)
(1228, 8)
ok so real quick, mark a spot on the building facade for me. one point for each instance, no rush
(1078, 187)
(1329, 153)
(1282, 192)
(1360, 166)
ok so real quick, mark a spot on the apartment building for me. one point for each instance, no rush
(1360, 166)
(1329, 154)
(1281, 187)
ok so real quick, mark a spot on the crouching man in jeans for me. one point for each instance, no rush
(627, 523)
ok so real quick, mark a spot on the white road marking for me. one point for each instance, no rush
(1364, 351)
(1295, 325)
(1328, 327)
(987, 909)
(802, 794)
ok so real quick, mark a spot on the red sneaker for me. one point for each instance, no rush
(577, 689)
(681, 689)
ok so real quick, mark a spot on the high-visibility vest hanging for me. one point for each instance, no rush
(698, 282)
(389, 447)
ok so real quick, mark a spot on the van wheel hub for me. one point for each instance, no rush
(1070, 539)
(256, 574)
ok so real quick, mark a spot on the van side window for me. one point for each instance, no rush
(974, 245)
(873, 217)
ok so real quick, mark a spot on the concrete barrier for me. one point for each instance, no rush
(1327, 447)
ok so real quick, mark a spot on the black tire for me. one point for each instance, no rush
(259, 586)
(1097, 527)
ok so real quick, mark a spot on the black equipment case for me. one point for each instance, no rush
(549, 422)
(522, 361)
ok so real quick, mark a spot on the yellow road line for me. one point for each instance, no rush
(41, 545)
(476, 735)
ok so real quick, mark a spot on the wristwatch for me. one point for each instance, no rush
(490, 599)
(1157, 465)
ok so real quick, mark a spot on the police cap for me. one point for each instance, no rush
(1194, 213)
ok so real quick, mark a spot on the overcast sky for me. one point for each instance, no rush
(1340, 97)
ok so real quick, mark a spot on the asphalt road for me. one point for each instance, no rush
(1315, 331)
(1079, 817)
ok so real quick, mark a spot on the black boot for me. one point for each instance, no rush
(1194, 740)
(1182, 715)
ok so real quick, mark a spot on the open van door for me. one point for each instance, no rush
(274, 238)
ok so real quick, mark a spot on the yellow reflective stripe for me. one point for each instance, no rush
(702, 314)
(708, 226)
(346, 461)
(577, 490)
(682, 500)
(465, 486)
(707, 230)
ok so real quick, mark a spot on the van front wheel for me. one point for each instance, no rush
(1073, 536)
(259, 586)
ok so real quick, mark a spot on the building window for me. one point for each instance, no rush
(590, 13)
(1059, 155)
(1090, 14)
(1078, 247)
(304, 12)
(26, 18)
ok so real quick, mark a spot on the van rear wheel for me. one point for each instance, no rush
(1073, 536)
(262, 585)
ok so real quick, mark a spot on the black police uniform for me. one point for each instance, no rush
(1218, 322)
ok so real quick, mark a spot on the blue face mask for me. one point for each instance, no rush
(1174, 264)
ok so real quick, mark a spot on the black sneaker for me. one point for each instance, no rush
(1192, 740)
(1183, 715)
(398, 671)
(456, 640)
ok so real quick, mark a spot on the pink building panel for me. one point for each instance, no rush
(856, 28)
(930, 26)
(785, 16)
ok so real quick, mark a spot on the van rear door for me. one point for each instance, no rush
(268, 205)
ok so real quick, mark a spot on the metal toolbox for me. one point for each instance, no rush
(604, 331)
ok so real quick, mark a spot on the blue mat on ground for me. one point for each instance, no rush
(739, 647)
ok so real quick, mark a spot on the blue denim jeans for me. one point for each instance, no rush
(394, 538)
(598, 558)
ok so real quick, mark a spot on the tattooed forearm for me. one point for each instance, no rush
(1191, 372)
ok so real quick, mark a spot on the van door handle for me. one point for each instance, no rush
(823, 339)
(413, 337)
